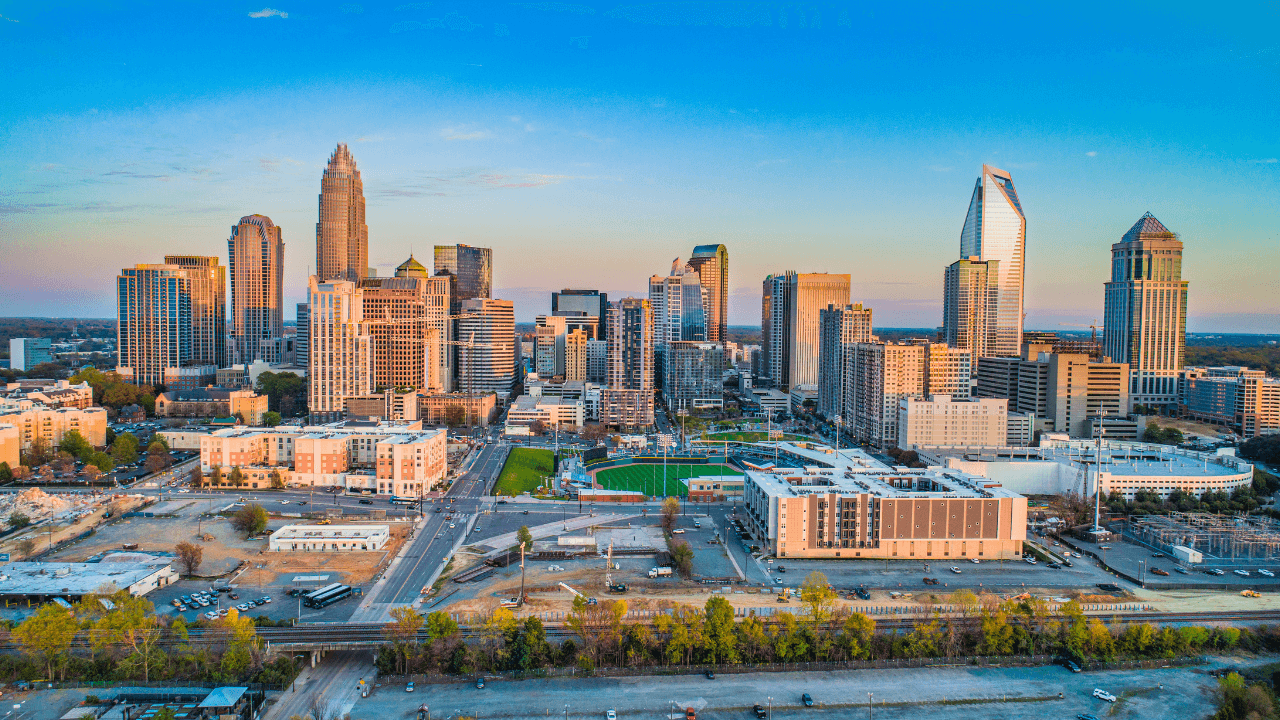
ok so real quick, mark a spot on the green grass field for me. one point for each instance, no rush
(524, 471)
(648, 478)
(748, 436)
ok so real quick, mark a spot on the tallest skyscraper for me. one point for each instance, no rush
(982, 306)
(342, 238)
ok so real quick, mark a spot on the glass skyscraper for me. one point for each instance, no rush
(994, 229)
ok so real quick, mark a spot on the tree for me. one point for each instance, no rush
(277, 480)
(250, 520)
(402, 631)
(26, 546)
(537, 427)
(682, 557)
(18, 520)
(157, 456)
(39, 453)
(131, 631)
(6, 474)
(73, 442)
(90, 473)
(189, 556)
(197, 477)
(46, 636)
(524, 537)
(271, 418)
(440, 626)
(816, 593)
(722, 643)
(125, 449)
(102, 461)
(64, 462)
(236, 479)
(670, 509)
(454, 415)
(215, 476)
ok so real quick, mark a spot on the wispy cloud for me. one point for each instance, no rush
(414, 6)
(269, 12)
(272, 164)
(370, 138)
(352, 8)
(695, 14)
(466, 182)
(1266, 161)
(136, 176)
(1092, 153)
(463, 134)
(7, 18)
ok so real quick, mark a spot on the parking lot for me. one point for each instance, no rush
(1139, 561)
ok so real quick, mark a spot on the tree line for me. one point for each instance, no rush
(685, 635)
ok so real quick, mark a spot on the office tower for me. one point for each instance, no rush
(486, 352)
(591, 302)
(154, 327)
(995, 229)
(775, 350)
(598, 361)
(208, 288)
(840, 326)
(405, 336)
(550, 336)
(694, 375)
(1243, 399)
(810, 293)
(948, 371)
(575, 356)
(256, 257)
(302, 342)
(970, 303)
(711, 262)
(342, 238)
(679, 303)
(472, 266)
(628, 401)
(1065, 393)
(26, 353)
(340, 347)
(1146, 311)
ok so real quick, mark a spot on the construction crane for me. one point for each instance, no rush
(608, 573)
(1094, 326)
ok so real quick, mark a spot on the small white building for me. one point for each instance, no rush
(329, 538)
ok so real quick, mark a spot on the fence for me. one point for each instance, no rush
(744, 668)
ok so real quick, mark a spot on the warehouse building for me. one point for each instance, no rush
(815, 502)
(38, 582)
(329, 538)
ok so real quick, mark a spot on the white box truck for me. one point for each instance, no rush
(659, 572)
(1187, 555)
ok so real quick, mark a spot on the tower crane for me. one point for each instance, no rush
(1094, 326)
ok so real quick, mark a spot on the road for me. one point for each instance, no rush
(330, 689)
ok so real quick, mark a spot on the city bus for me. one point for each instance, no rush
(320, 591)
(403, 500)
(328, 598)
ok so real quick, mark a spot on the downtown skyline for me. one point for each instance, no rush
(610, 178)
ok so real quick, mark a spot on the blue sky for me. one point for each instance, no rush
(589, 144)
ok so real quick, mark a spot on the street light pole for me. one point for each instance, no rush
(869, 706)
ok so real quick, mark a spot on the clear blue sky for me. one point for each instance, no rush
(589, 144)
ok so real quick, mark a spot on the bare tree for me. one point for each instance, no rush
(189, 555)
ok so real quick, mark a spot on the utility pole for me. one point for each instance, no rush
(1097, 478)
(520, 602)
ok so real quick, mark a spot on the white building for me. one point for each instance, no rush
(942, 422)
(329, 538)
(551, 411)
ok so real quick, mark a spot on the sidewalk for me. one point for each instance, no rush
(502, 542)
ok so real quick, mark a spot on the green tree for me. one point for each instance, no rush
(250, 520)
(6, 474)
(130, 632)
(817, 595)
(102, 461)
(125, 449)
(277, 480)
(721, 640)
(670, 509)
(440, 626)
(73, 442)
(18, 520)
(46, 636)
(271, 418)
(524, 537)
(236, 479)
(402, 631)
(39, 452)
(681, 557)
(158, 456)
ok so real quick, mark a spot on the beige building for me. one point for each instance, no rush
(551, 411)
(810, 294)
(37, 421)
(405, 337)
(1063, 392)
(477, 409)
(486, 347)
(329, 538)
(880, 375)
(169, 316)
(10, 445)
(386, 405)
(342, 237)
(941, 421)
(208, 308)
(256, 255)
(575, 356)
(50, 393)
(398, 459)
(213, 402)
(817, 503)
(840, 327)
(341, 352)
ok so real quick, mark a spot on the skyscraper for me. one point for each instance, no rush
(970, 307)
(775, 349)
(256, 255)
(153, 329)
(341, 356)
(302, 340)
(840, 326)
(1146, 311)
(810, 293)
(679, 303)
(628, 401)
(472, 266)
(403, 325)
(486, 352)
(995, 229)
(592, 302)
(342, 238)
(711, 262)
(208, 288)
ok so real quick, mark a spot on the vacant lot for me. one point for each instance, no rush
(526, 469)
(648, 479)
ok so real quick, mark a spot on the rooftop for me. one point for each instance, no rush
(58, 578)
(329, 532)
(1118, 458)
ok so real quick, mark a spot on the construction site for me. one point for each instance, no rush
(1216, 537)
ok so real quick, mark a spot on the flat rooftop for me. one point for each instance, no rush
(329, 532)
(59, 578)
(808, 469)
(1118, 458)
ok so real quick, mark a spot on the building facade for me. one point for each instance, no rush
(1064, 392)
(1244, 400)
(591, 303)
(970, 307)
(26, 353)
(628, 401)
(256, 252)
(941, 421)
(404, 322)
(486, 352)
(212, 403)
(694, 375)
(881, 375)
(995, 228)
(840, 327)
(711, 263)
(471, 266)
(154, 324)
(340, 346)
(35, 421)
(342, 237)
(1145, 323)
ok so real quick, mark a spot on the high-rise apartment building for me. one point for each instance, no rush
(628, 401)
(403, 318)
(1243, 399)
(302, 342)
(970, 306)
(679, 303)
(840, 326)
(256, 252)
(340, 347)
(575, 356)
(598, 361)
(789, 324)
(154, 328)
(775, 350)
(995, 229)
(472, 266)
(711, 263)
(208, 288)
(1146, 311)
(486, 347)
(342, 237)
(693, 375)
(550, 337)
(592, 303)
(881, 375)
(1065, 393)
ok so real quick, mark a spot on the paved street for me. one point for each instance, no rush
(1031, 694)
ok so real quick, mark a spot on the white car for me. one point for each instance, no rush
(955, 569)
(678, 531)
(1268, 573)
(975, 561)
(610, 715)
(1031, 561)
(1241, 573)
(1103, 695)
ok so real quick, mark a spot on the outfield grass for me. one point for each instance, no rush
(748, 436)
(524, 471)
(648, 478)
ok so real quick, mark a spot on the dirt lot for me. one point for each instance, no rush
(88, 512)
(277, 568)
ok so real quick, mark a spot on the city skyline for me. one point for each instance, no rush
(621, 172)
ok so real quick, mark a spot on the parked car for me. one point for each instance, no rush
(1241, 573)
(807, 699)
(610, 714)
(1268, 573)
(759, 710)
(479, 683)
(409, 687)
(1103, 695)
(367, 501)
(710, 675)
(956, 570)
(1159, 571)
(1180, 570)
(1071, 665)
(862, 593)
